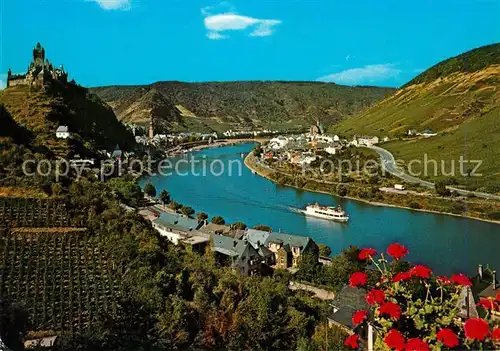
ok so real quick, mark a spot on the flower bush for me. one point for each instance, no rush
(415, 310)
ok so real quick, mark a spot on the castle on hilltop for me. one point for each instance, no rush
(40, 72)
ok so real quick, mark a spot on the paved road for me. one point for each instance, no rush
(389, 165)
(321, 294)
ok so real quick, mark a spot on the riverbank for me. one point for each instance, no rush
(272, 175)
(225, 142)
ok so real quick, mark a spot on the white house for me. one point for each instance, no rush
(386, 139)
(278, 143)
(331, 150)
(336, 138)
(368, 140)
(62, 132)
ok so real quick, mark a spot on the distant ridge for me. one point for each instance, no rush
(225, 105)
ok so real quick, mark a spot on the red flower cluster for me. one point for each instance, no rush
(447, 337)
(488, 304)
(359, 317)
(461, 279)
(358, 279)
(420, 271)
(397, 251)
(395, 340)
(352, 341)
(415, 344)
(495, 335)
(401, 277)
(476, 329)
(365, 254)
(375, 296)
(390, 309)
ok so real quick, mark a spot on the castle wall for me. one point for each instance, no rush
(16, 82)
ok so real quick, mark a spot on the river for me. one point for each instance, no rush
(445, 243)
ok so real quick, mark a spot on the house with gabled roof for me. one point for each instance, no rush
(239, 254)
(287, 248)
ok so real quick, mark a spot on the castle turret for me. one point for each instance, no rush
(38, 54)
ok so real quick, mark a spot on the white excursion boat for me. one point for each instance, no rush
(332, 213)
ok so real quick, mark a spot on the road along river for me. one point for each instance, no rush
(447, 244)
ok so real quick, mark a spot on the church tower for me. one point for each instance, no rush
(151, 130)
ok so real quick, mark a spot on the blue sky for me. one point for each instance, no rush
(355, 42)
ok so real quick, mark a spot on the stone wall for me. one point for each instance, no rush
(16, 82)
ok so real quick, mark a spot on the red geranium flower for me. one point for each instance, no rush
(395, 340)
(476, 329)
(447, 337)
(367, 253)
(390, 309)
(359, 316)
(461, 279)
(416, 344)
(401, 276)
(421, 271)
(495, 335)
(498, 296)
(352, 341)
(375, 296)
(488, 304)
(397, 251)
(358, 279)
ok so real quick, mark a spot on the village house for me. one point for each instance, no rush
(278, 143)
(287, 248)
(239, 254)
(346, 302)
(367, 140)
(180, 229)
(62, 132)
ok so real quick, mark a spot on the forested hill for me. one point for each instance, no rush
(252, 103)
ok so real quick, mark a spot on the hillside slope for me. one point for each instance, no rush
(242, 104)
(462, 107)
(87, 116)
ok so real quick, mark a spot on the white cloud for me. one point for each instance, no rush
(113, 4)
(222, 22)
(363, 75)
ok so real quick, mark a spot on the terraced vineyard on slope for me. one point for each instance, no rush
(63, 279)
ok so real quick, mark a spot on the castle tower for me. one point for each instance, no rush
(38, 54)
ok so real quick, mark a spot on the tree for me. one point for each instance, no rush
(263, 227)
(150, 190)
(175, 205)
(201, 216)
(324, 250)
(188, 211)
(164, 197)
(239, 225)
(218, 220)
(441, 188)
(342, 189)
